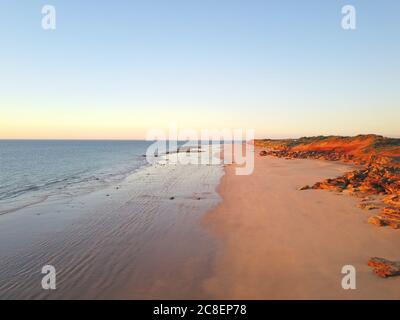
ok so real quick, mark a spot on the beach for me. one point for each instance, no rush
(281, 243)
(121, 172)
(139, 238)
(199, 231)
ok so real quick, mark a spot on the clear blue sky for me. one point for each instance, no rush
(113, 69)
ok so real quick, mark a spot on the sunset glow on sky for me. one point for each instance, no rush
(115, 69)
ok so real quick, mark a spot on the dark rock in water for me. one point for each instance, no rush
(385, 268)
(171, 198)
(107, 195)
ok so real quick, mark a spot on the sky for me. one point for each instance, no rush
(116, 69)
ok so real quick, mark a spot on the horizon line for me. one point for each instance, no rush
(143, 139)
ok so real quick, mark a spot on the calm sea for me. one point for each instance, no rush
(32, 171)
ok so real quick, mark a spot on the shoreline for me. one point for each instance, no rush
(174, 231)
(281, 243)
(139, 239)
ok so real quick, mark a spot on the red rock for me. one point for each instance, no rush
(392, 199)
(376, 220)
(393, 212)
(384, 268)
(382, 221)
(380, 176)
(367, 206)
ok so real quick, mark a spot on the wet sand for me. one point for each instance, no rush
(281, 243)
(140, 239)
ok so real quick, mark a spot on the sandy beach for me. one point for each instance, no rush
(281, 243)
(184, 231)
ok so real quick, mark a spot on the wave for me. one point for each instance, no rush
(87, 180)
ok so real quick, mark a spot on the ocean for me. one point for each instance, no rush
(33, 170)
(112, 225)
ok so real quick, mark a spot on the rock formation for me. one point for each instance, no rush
(379, 178)
(384, 268)
(380, 175)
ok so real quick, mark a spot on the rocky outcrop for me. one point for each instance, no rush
(383, 221)
(389, 216)
(322, 155)
(384, 268)
(374, 180)
(360, 149)
(368, 206)
(380, 175)
(393, 200)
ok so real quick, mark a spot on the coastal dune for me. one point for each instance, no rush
(282, 243)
